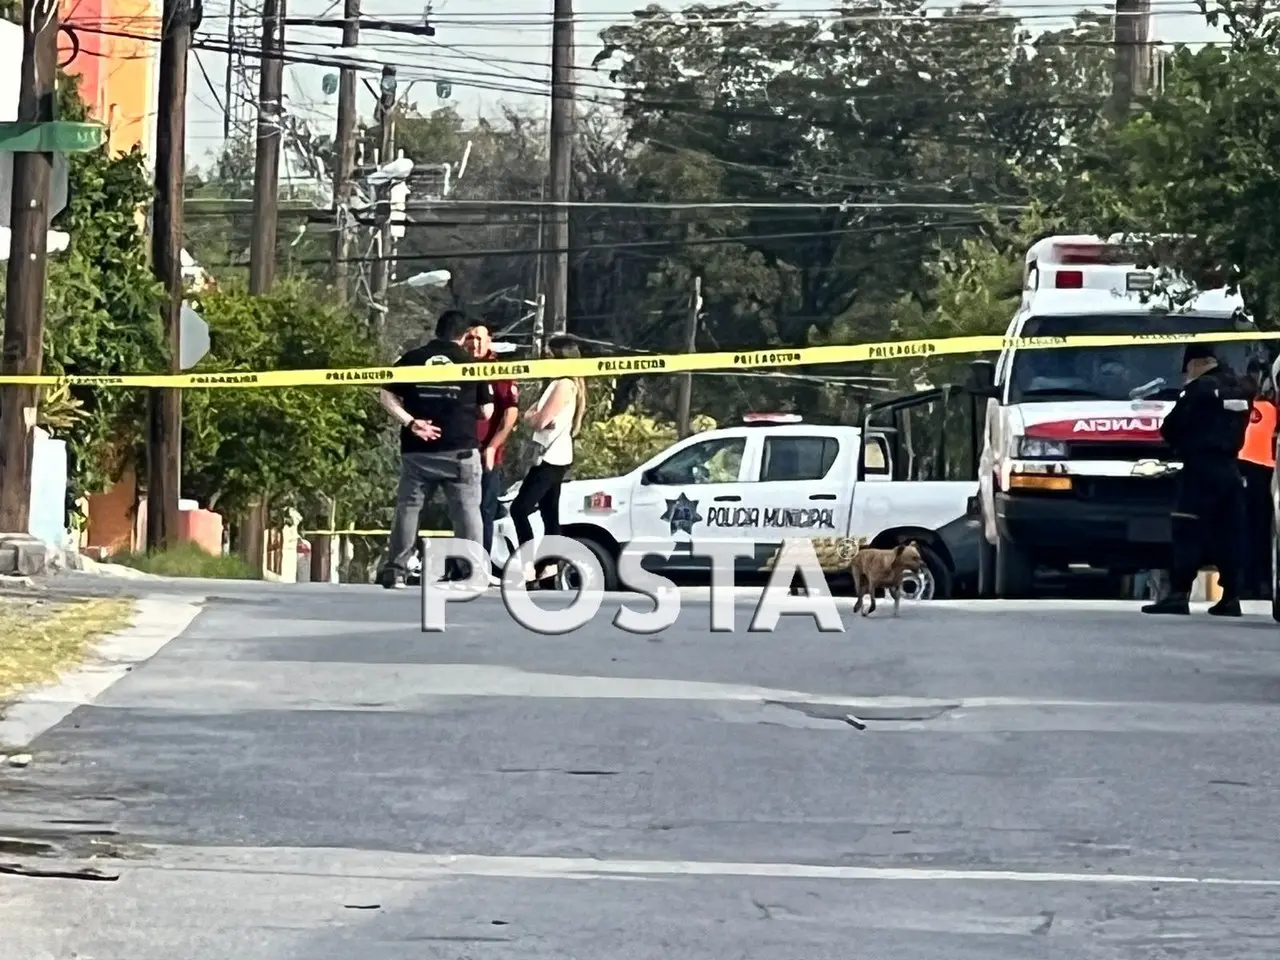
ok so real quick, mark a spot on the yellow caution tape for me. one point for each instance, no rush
(369, 533)
(626, 365)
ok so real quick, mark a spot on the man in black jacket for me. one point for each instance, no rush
(1206, 429)
(438, 446)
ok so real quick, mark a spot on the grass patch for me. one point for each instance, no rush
(40, 638)
(189, 560)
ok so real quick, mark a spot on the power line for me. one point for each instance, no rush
(717, 205)
(744, 239)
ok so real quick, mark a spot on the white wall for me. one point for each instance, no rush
(48, 489)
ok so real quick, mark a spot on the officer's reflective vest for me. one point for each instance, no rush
(1260, 438)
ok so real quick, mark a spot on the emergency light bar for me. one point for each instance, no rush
(1089, 254)
(753, 419)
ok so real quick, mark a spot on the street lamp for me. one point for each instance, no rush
(431, 278)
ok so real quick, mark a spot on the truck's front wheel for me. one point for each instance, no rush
(1015, 571)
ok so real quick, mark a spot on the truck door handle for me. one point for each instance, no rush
(726, 499)
(823, 496)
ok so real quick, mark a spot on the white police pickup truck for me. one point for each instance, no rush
(776, 478)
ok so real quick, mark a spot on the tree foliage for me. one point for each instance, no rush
(292, 445)
(1196, 166)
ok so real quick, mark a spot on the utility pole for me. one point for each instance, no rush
(266, 200)
(229, 88)
(164, 405)
(685, 397)
(380, 274)
(344, 162)
(344, 152)
(562, 130)
(266, 167)
(540, 327)
(1132, 71)
(25, 273)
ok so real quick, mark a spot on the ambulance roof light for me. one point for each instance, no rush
(1084, 254)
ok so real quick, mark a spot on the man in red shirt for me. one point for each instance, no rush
(492, 433)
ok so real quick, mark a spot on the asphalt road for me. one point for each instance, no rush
(304, 774)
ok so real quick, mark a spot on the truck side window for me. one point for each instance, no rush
(798, 458)
(718, 460)
(877, 457)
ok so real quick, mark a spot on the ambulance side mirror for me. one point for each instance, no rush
(982, 379)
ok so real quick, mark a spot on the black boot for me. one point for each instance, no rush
(1226, 607)
(1175, 603)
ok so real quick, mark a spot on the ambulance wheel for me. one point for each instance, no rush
(571, 578)
(1275, 573)
(1015, 571)
(986, 569)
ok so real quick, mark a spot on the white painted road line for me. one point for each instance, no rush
(157, 621)
(409, 867)
(298, 684)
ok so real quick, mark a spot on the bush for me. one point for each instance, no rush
(189, 560)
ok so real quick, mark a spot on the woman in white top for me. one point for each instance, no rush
(556, 419)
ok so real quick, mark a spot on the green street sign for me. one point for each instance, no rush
(57, 136)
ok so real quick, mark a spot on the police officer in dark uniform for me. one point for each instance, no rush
(1206, 429)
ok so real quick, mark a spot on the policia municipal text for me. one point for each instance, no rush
(1206, 429)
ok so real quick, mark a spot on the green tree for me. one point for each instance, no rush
(289, 446)
(1196, 166)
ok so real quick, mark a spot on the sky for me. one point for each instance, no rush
(491, 52)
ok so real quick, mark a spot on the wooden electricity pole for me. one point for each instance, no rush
(685, 397)
(25, 273)
(1133, 66)
(164, 405)
(380, 269)
(561, 159)
(344, 151)
(344, 161)
(266, 167)
(251, 526)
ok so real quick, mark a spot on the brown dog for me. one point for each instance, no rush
(873, 569)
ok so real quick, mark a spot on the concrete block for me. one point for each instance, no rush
(23, 555)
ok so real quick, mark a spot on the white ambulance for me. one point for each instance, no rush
(1073, 470)
(775, 477)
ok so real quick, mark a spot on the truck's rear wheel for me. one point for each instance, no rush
(931, 583)
(569, 577)
(1015, 571)
(986, 569)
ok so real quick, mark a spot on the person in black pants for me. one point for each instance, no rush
(556, 419)
(1257, 466)
(1206, 430)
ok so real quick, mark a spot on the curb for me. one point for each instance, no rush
(158, 620)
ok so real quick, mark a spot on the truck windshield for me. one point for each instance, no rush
(1150, 371)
